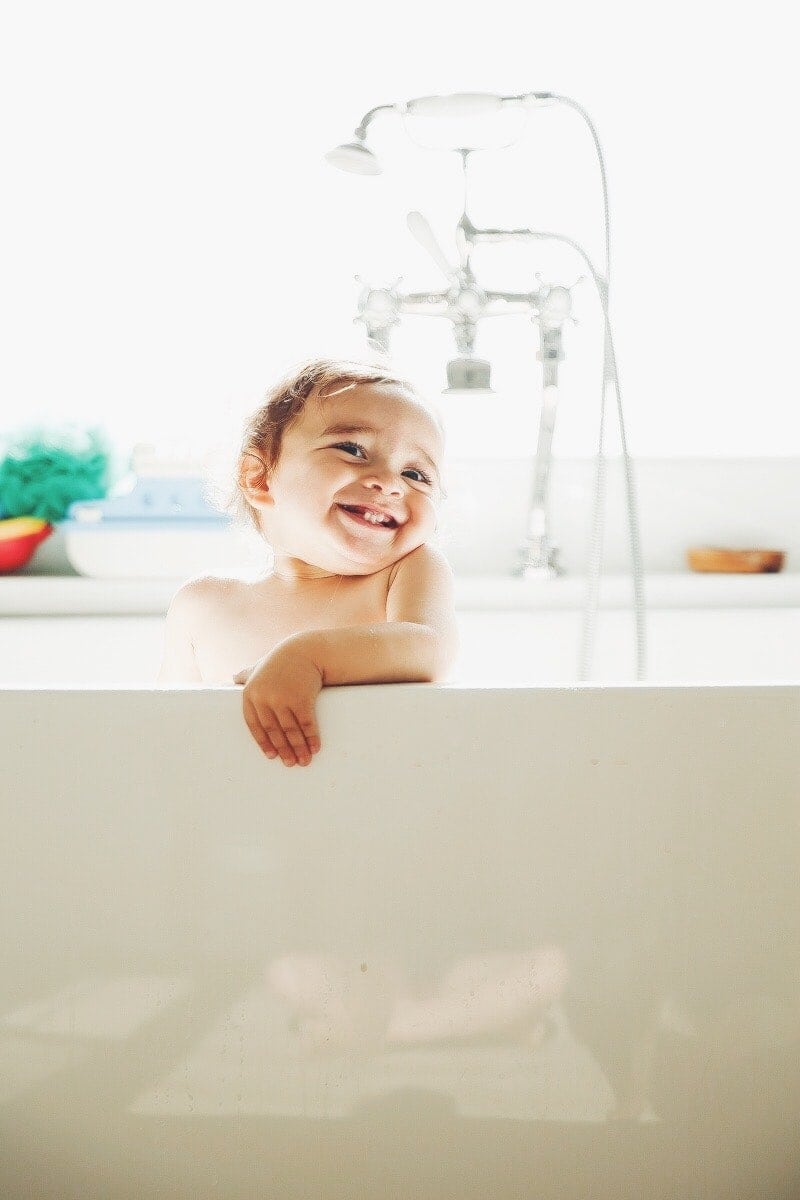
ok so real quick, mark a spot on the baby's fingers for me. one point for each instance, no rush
(261, 735)
(301, 733)
(295, 738)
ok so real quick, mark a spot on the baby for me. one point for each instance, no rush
(339, 471)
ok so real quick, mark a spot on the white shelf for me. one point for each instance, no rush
(74, 595)
(54, 595)
(685, 590)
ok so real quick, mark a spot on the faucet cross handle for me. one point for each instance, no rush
(555, 304)
(378, 310)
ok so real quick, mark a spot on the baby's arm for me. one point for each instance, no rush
(417, 643)
(178, 664)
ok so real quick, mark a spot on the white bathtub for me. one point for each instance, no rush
(635, 847)
(158, 873)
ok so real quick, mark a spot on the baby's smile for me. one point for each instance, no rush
(376, 518)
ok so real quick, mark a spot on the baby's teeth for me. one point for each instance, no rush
(373, 518)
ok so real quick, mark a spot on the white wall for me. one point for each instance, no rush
(176, 239)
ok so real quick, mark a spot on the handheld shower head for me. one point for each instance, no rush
(461, 104)
(355, 158)
(420, 227)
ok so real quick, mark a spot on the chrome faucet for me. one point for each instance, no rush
(464, 302)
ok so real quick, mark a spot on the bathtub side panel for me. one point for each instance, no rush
(179, 912)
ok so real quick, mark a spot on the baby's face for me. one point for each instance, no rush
(357, 482)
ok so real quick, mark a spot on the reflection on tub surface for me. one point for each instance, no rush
(490, 942)
(254, 1060)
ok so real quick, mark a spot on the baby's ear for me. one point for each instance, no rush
(253, 479)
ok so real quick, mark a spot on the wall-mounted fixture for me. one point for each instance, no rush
(465, 301)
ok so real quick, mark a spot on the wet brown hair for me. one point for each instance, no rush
(283, 404)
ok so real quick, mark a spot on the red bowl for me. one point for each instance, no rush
(15, 552)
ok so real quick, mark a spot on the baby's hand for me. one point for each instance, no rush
(279, 704)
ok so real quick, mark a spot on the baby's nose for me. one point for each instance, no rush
(384, 481)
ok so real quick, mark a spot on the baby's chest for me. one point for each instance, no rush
(245, 635)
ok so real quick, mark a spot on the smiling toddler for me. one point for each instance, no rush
(339, 471)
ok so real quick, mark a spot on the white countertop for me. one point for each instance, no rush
(55, 595)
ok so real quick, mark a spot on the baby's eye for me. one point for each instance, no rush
(421, 477)
(351, 448)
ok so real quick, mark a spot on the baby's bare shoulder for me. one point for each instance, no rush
(195, 608)
(425, 560)
(204, 596)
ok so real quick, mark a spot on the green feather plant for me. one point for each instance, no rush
(44, 470)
